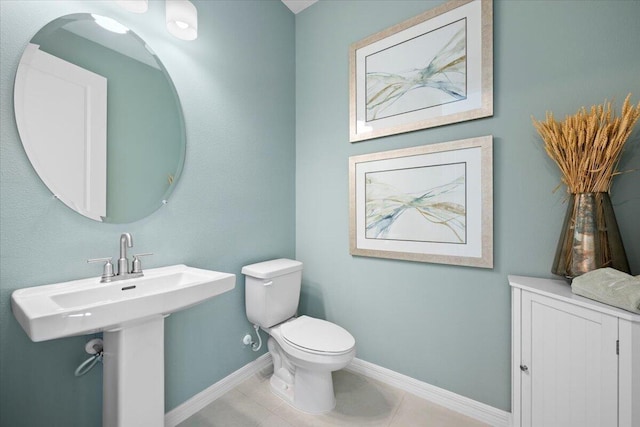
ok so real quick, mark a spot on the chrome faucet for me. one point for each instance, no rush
(123, 261)
(126, 241)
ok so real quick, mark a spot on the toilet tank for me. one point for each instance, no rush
(272, 291)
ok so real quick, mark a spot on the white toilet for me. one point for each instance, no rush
(305, 350)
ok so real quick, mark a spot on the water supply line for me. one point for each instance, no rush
(94, 348)
(253, 344)
(248, 340)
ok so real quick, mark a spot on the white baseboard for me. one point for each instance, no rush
(469, 407)
(208, 395)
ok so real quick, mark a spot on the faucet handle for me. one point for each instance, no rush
(107, 271)
(136, 265)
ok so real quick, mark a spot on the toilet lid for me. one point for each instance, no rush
(317, 335)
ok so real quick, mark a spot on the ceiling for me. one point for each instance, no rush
(298, 5)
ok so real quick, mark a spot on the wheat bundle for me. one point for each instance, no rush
(587, 146)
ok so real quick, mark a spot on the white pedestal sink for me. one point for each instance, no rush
(131, 314)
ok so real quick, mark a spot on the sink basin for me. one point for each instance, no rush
(87, 306)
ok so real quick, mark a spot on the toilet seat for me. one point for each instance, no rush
(317, 336)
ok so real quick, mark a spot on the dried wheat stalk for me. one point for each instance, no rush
(587, 146)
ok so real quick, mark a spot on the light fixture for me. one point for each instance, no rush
(109, 24)
(182, 19)
(137, 6)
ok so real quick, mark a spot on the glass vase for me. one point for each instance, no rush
(590, 238)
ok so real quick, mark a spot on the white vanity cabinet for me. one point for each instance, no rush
(575, 362)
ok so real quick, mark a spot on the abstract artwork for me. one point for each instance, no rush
(399, 207)
(394, 84)
(431, 70)
(431, 203)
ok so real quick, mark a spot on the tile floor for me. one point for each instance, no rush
(360, 401)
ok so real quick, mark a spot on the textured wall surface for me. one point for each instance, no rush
(447, 325)
(233, 205)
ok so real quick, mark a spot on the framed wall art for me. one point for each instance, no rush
(432, 203)
(431, 70)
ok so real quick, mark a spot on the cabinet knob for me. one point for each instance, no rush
(524, 368)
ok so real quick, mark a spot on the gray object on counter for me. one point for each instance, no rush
(611, 287)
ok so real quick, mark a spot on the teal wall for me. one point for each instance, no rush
(445, 325)
(236, 85)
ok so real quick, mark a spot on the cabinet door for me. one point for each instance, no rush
(571, 374)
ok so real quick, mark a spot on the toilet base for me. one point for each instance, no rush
(281, 389)
(311, 391)
(308, 390)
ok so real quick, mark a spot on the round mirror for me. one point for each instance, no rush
(99, 118)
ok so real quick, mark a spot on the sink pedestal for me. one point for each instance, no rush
(133, 375)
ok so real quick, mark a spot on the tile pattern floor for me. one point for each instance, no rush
(360, 401)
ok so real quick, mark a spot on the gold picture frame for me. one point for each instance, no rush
(431, 70)
(432, 203)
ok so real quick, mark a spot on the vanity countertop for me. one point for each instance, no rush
(560, 289)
